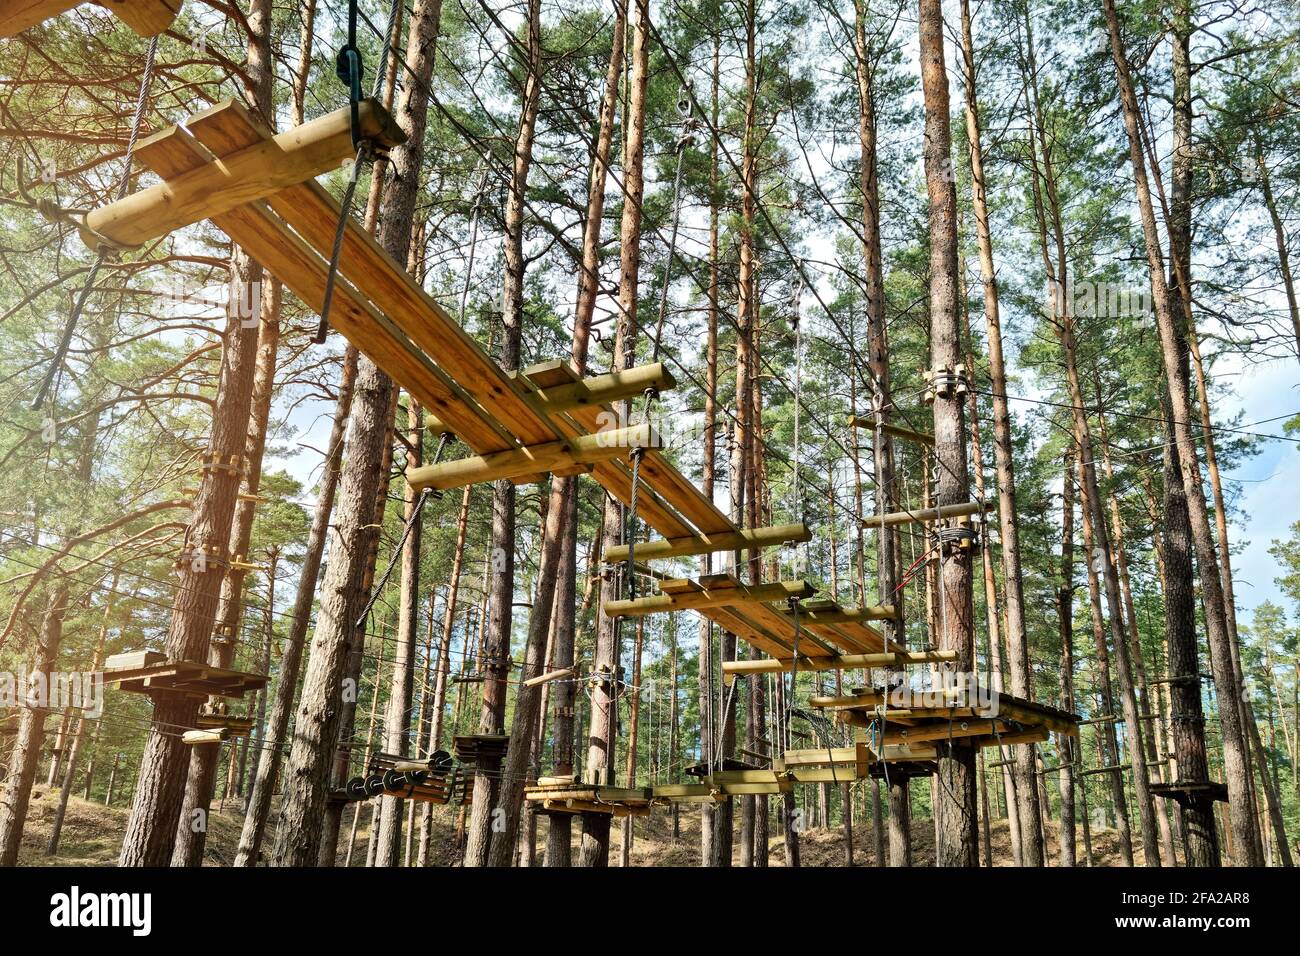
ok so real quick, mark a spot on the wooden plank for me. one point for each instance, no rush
(894, 431)
(133, 659)
(146, 17)
(842, 662)
(266, 238)
(707, 543)
(923, 515)
(531, 460)
(255, 172)
(313, 213)
(715, 596)
(732, 621)
(556, 387)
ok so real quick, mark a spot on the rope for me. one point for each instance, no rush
(65, 341)
(350, 69)
(794, 671)
(345, 213)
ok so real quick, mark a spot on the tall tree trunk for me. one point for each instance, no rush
(606, 662)
(70, 770)
(488, 784)
(1108, 741)
(1030, 823)
(1067, 744)
(160, 787)
(956, 812)
(401, 696)
(271, 755)
(888, 548)
(438, 705)
(191, 833)
(298, 841)
(714, 818)
(1235, 748)
(24, 758)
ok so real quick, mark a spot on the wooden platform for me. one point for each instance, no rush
(471, 748)
(573, 798)
(917, 724)
(187, 678)
(1180, 792)
(146, 17)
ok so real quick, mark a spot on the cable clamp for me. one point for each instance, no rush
(946, 382)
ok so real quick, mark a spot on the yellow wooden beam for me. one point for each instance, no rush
(894, 431)
(738, 595)
(741, 540)
(553, 456)
(840, 663)
(595, 391)
(247, 175)
(926, 515)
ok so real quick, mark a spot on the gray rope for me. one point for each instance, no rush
(65, 341)
(345, 215)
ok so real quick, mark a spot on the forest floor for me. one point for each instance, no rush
(92, 835)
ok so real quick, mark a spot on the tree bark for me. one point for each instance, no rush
(270, 755)
(956, 811)
(1235, 750)
(1030, 822)
(298, 842)
(401, 696)
(488, 784)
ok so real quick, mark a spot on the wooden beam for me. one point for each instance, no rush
(711, 597)
(535, 459)
(840, 663)
(925, 515)
(195, 737)
(146, 17)
(595, 391)
(707, 544)
(598, 390)
(848, 615)
(894, 431)
(247, 175)
(742, 540)
(548, 677)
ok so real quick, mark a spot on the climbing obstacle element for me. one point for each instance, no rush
(437, 780)
(743, 540)
(150, 673)
(146, 17)
(568, 797)
(906, 724)
(761, 614)
(288, 223)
